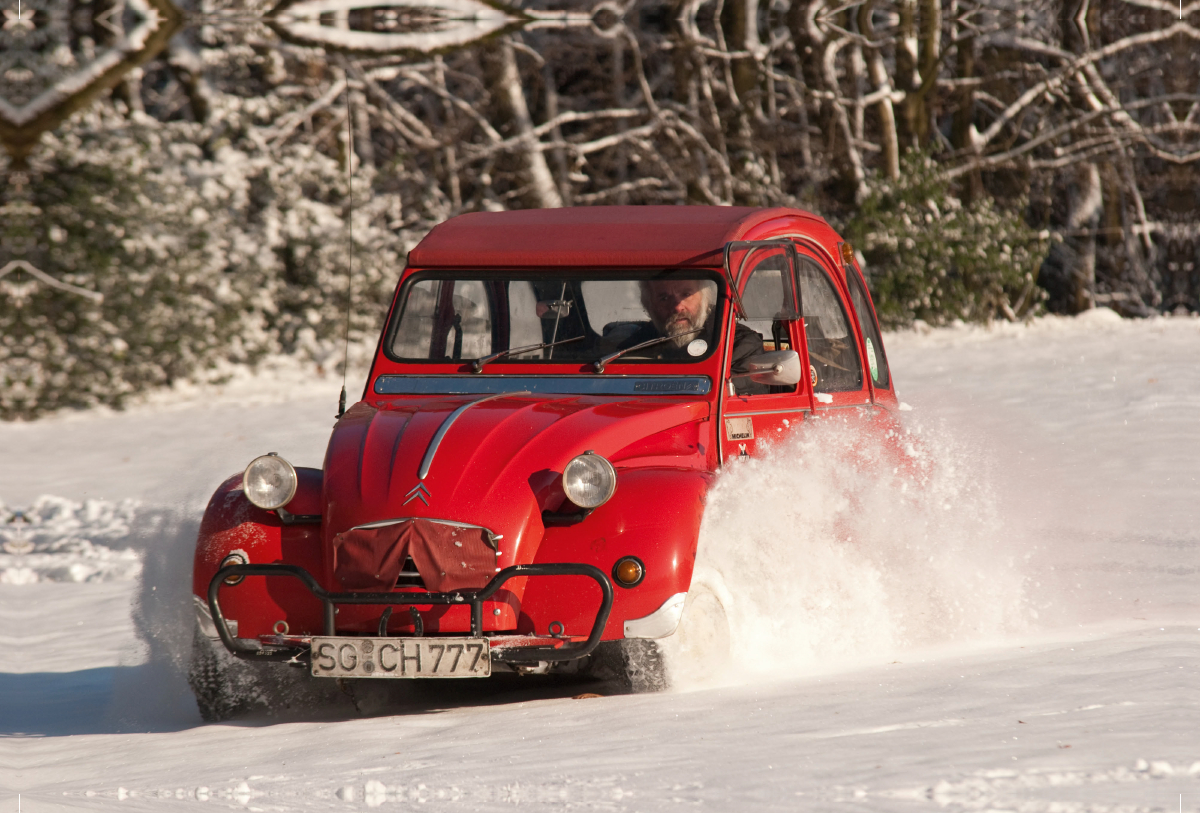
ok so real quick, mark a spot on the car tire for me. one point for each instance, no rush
(700, 650)
(630, 666)
(226, 687)
(212, 674)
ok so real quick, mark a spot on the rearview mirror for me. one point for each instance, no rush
(779, 368)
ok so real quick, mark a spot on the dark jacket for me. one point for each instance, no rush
(746, 343)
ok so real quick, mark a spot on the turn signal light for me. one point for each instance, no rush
(235, 558)
(629, 571)
(847, 254)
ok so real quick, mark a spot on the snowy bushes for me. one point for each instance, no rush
(112, 221)
(198, 260)
(929, 257)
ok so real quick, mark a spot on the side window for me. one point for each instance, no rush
(445, 319)
(831, 348)
(414, 331)
(876, 358)
(770, 303)
(769, 300)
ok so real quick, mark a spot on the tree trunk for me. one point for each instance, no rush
(512, 117)
(740, 23)
(963, 127)
(907, 77)
(362, 128)
(185, 63)
(1084, 207)
(930, 61)
(881, 82)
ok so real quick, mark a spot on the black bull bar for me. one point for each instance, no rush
(475, 598)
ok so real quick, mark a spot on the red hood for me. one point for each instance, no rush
(481, 471)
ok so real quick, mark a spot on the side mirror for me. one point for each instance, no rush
(779, 368)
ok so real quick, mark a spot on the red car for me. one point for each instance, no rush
(521, 486)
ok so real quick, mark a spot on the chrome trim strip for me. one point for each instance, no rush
(446, 424)
(731, 414)
(824, 408)
(863, 405)
(640, 385)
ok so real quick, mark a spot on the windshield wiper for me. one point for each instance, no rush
(600, 364)
(477, 364)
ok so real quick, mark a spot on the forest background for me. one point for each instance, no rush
(988, 159)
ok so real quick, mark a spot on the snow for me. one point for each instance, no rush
(60, 540)
(1020, 634)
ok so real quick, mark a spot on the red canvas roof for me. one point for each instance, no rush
(597, 236)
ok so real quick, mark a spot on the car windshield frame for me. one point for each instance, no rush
(598, 343)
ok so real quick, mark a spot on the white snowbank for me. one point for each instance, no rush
(60, 540)
(274, 380)
(1094, 322)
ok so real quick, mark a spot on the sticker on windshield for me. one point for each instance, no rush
(812, 373)
(696, 347)
(871, 361)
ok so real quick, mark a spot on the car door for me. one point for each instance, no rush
(753, 416)
(830, 337)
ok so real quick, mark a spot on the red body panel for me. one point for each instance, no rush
(500, 463)
(231, 524)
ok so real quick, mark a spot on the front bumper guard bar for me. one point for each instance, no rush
(475, 598)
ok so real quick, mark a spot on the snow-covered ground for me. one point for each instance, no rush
(1021, 635)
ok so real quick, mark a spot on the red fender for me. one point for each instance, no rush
(654, 515)
(232, 523)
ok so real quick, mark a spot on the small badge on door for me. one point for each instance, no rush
(739, 429)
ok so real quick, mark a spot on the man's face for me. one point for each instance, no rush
(677, 305)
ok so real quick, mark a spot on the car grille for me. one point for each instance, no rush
(409, 577)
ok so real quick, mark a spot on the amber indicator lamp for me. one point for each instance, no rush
(629, 571)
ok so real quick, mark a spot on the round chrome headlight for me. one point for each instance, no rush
(269, 482)
(589, 480)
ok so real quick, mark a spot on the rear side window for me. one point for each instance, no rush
(876, 358)
(831, 347)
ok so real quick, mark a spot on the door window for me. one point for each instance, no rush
(831, 349)
(876, 358)
(769, 302)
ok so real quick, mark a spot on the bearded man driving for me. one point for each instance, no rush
(684, 309)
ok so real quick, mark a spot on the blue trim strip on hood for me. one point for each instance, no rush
(550, 384)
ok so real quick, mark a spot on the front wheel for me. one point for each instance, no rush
(227, 687)
(214, 676)
(632, 665)
(700, 651)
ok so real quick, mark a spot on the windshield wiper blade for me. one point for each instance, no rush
(477, 364)
(600, 364)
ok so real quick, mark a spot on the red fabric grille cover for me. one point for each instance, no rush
(448, 557)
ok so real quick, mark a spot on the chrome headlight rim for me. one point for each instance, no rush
(596, 464)
(288, 470)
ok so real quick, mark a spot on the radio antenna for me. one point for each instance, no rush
(350, 239)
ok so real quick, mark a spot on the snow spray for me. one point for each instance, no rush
(839, 544)
(164, 617)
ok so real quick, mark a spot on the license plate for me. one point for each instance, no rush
(401, 657)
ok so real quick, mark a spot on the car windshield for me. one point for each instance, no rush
(498, 319)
